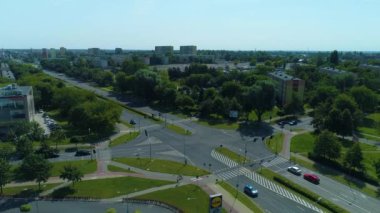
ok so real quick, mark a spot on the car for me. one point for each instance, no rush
(132, 122)
(250, 190)
(281, 123)
(295, 170)
(311, 177)
(82, 153)
(292, 122)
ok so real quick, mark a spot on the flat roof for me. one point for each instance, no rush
(282, 75)
(14, 90)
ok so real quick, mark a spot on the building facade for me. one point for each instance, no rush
(93, 51)
(118, 51)
(16, 104)
(188, 50)
(287, 87)
(163, 50)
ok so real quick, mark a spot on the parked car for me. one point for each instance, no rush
(132, 122)
(281, 123)
(311, 177)
(82, 153)
(292, 122)
(295, 170)
(250, 190)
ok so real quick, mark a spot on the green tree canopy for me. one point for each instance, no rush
(71, 173)
(354, 157)
(5, 174)
(36, 167)
(327, 146)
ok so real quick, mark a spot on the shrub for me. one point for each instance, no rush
(26, 208)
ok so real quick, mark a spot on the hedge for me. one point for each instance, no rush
(25, 208)
(309, 194)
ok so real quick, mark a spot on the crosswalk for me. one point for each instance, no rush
(234, 170)
(230, 173)
(225, 160)
(277, 160)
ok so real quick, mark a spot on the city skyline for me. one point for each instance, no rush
(222, 25)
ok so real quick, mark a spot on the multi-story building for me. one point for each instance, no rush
(6, 72)
(62, 52)
(52, 53)
(45, 53)
(118, 51)
(188, 50)
(93, 51)
(163, 50)
(370, 67)
(16, 103)
(287, 87)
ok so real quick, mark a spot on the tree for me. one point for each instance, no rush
(296, 106)
(346, 123)
(100, 116)
(218, 106)
(260, 98)
(36, 167)
(334, 58)
(145, 82)
(5, 174)
(6, 150)
(71, 173)
(354, 157)
(231, 89)
(45, 150)
(184, 103)
(24, 146)
(327, 146)
(365, 98)
(322, 94)
(377, 168)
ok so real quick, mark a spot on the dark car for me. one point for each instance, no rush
(295, 170)
(250, 190)
(132, 122)
(311, 177)
(281, 123)
(82, 153)
(292, 122)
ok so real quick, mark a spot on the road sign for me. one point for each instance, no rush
(216, 202)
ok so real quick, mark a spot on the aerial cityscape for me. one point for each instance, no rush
(159, 106)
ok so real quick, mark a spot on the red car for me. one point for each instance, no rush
(311, 177)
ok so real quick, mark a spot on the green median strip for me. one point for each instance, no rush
(188, 198)
(303, 192)
(163, 166)
(232, 155)
(178, 129)
(124, 138)
(241, 197)
(108, 188)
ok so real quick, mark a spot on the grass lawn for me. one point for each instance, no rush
(371, 125)
(113, 168)
(302, 143)
(27, 191)
(108, 188)
(220, 124)
(241, 197)
(86, 166)
(337, 176)
(232, 155)
(275, 144)
(178, 129)
(124, 138)
(189, 198)
(164, 166)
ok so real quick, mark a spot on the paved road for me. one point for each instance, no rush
(198, 146)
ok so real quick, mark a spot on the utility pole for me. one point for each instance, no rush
(150, 145)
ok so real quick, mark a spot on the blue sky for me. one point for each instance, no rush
(209, 24)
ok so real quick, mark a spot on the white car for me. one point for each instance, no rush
(295, 170)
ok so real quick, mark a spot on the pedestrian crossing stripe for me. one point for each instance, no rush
(275, 161)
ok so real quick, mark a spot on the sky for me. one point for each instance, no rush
(317, 25)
